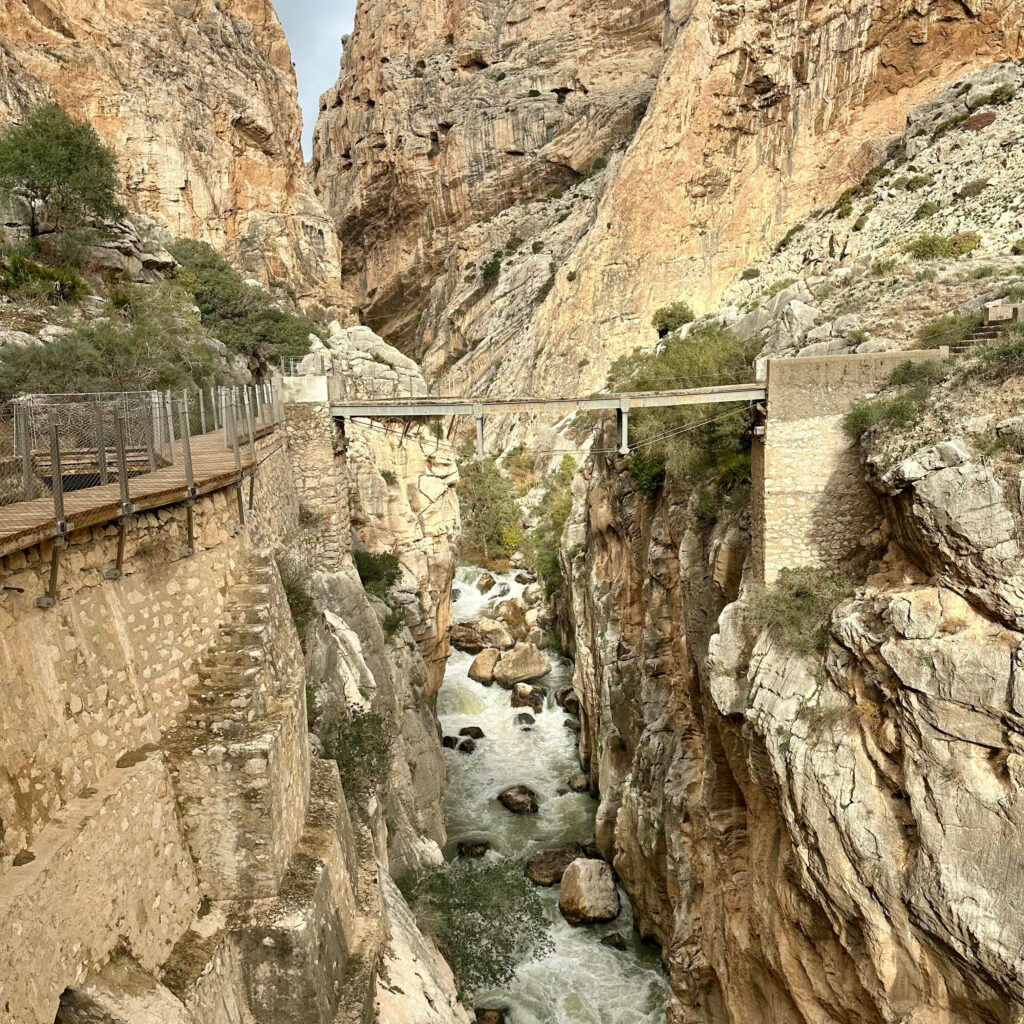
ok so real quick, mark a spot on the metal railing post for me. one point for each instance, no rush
(101, 445)
(252, 448)
(190, 480)
(202, 412)
(147, 429)
(24, 444)
(61, 526)
(169, 413)
(232, 428)
(126, 501)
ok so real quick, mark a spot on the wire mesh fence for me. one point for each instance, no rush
(52, 444)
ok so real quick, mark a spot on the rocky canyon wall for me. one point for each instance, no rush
(437, 150)
(802, 832)
(199, 102)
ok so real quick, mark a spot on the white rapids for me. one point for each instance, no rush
(580, 981)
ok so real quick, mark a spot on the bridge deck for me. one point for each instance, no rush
(409, 407)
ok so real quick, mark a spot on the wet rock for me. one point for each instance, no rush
(473, 731)
(513, 614)
(590, 849)
(485, 583)
(491, 1016)
(525, 719)
(615, 941)
(565, 697)
(533, 595)
(579, 783)
(467, 746)
(456, 594)
(519, 799)
(526, 696)
(472, 849)
(450, 742)
(482, 669)
(572, 724)
(521, 665)
(474, 637)
(588, 894)
(548, 866)
(525, 577)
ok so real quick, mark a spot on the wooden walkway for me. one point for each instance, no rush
(27, 523)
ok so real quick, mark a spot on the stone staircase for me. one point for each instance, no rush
(984, 335)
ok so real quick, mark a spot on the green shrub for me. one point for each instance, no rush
(893, 413)
(927, 209)
(882, 267)
(552, 512)
(152, 340)
(928, 274)
(538, 247)
(491, 520)
(389, 477)
(361, 743)
(948, 330)
(929, 371)
(750, 274)
(485, 916)
(690, 444)
(796, 610)
(544, 290)
(24, 278)
(788, 237)
(491, 271)
(533, 93)
(295, 580)
(937, 247)
(571, 276)
(845, 211)
(973, 188)
(998, 97)
(861, 222)
(916, 182)
(945, 127)
(986, 270)
(557, 192)
(514, 243)
(1004, 359)
(242, 316)
(599, 164)
(58, 166)
(779, 286)
(378, 573)
(1017, 249)
(671, 317)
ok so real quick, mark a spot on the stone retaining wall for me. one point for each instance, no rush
(811, 502)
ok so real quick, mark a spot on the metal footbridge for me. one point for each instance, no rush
(478, 407)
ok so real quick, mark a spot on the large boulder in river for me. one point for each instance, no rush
(548, 866)
(473, 637)
(482, 669)
(533, 595)
(513, 613)
(526, 696)
(519, 800)
(490, 1016)
(485, 583)
(588, 894)
(521, 665)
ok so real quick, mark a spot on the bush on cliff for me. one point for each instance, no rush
(552, 512)
(948, 330)
(150, 339)
(242, 316)
(60, 168)
(797, 608)
(671, 317)
(295, 580)
(378, 573)
(485, 916)
(690, 444)
(360, 742)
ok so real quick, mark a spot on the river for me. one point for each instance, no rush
(580, 981)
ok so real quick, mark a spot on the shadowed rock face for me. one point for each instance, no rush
(198, 100)
(425, 156)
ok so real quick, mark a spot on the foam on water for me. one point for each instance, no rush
(580, 981)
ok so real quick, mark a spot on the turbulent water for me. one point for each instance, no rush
(581, 981)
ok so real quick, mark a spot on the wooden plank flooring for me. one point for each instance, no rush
(213, 465)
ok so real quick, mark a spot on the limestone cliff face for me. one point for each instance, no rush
(803, 835)
(758, 115)
(199, 101)
(445, 115)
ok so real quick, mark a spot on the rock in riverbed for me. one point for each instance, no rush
(588, 894)
(521, 665)
(616, 940)
(485, 583)
(548, 866)
(519, 800)
(473, 731)
(579, 783)
(565, 697)
(474, 637)
(525, 720)
(473, 850)
(467, 746)
(526, 696)
(482, 669)
(490, 1017)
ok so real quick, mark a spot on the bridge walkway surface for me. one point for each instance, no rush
(31, 522)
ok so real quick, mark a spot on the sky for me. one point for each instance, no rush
(314, 29)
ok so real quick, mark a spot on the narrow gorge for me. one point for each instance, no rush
(554, 556)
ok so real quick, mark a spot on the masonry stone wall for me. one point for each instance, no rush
(811, 503)
(160, 816)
